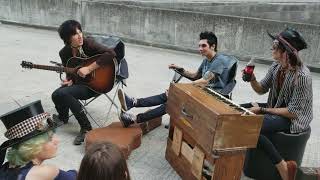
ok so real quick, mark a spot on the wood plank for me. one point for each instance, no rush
(197, 162)
(177, 140)
(229, 167)
(150, 125)
(231, 128)
(179, 163)
(189, 139)
(187, 152)
(215, 104)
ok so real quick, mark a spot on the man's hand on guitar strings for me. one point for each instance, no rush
(82, 72)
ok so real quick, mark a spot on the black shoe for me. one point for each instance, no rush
(126, 119)
(57, 119)
(80, 137)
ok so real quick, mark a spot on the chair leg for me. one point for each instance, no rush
(112, 103)
(84, 104)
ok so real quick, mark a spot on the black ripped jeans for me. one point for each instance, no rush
(66, 97)
(271, 124)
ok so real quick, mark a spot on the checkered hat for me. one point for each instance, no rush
(24, 123)
(27, 126)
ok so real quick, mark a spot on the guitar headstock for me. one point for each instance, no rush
(26, 64)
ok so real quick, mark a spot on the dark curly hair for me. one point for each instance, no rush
(68, 29)
(210, 37)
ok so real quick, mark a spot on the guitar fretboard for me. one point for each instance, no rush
(54, 68)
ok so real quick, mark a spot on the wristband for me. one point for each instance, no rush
(180, 70)
(263, 110)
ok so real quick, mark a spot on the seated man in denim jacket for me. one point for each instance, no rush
(214, 73)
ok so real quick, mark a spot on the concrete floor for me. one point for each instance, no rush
(149, 75)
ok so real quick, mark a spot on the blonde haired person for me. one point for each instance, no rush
(31, 142)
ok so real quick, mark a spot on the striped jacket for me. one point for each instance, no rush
(295, 94)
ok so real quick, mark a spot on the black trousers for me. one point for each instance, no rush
(271, 124)
(66, 97)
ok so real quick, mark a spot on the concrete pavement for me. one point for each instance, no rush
(149, 75)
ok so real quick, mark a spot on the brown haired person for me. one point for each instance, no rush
(103, 161)
(289, 105)
(31, 141)
(66, 97)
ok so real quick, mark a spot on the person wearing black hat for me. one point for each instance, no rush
(66, 97)
(289, 105)
(31, 140)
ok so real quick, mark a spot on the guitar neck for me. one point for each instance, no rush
(53, 68)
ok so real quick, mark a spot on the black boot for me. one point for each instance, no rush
(78, 140)
(58, 119)
(85, 127)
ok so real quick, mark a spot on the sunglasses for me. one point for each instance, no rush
(203, 45)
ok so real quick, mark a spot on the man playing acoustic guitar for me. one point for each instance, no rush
(66, 97)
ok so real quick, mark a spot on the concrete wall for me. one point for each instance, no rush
(306, 12)
(39, 12)
(244, 37)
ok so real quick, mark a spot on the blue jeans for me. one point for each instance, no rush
(271, 124)
(156, 100)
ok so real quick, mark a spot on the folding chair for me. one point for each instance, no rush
(122, 72)
(231, 73)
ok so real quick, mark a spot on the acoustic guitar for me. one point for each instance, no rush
(100, 80)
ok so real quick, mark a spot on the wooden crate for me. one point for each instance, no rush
(191, 162)
(150, 125)
(208, 135)
(212, 123)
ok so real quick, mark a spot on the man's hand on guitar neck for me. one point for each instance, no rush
(66, 82)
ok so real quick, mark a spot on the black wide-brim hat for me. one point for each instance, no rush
(25, 123)
(291, 39)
